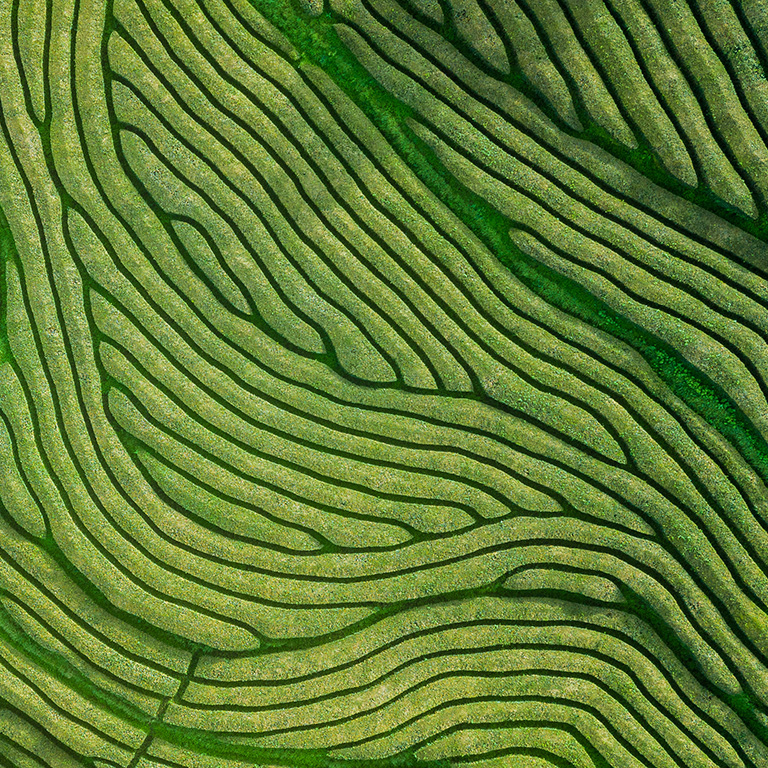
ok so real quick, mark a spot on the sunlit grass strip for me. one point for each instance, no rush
(317, 41)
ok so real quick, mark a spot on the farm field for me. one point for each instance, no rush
(383, 383)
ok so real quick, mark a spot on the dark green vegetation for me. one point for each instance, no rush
(383, 383)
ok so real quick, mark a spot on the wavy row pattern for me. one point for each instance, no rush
(384, 383)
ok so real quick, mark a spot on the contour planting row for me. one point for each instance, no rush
(272, 412)
(458, 116)
(413, 674)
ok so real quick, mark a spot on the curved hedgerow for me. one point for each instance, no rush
(383, 384)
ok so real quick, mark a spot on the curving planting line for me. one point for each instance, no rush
(382, 383)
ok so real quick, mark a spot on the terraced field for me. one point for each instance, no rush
(383, 383)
